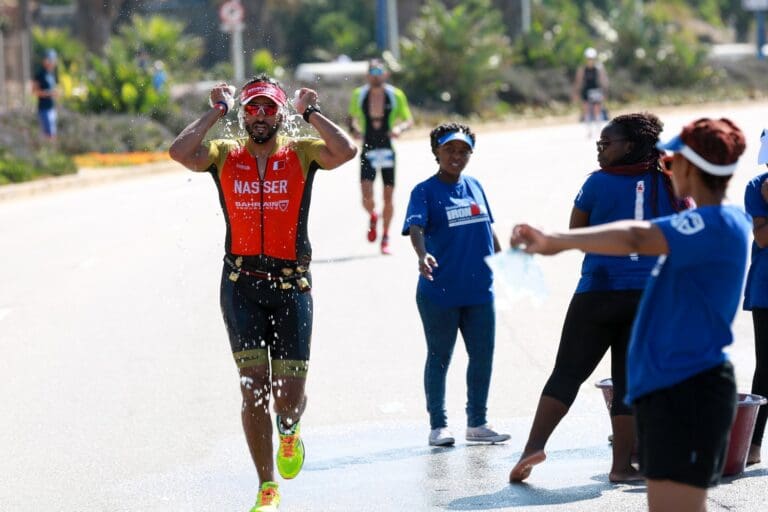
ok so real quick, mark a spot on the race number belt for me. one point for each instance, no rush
(287, 277)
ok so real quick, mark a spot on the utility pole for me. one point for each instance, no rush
(3, 94)
(24, 46)
(393, 34)
(525, 16)
(232, 15)
(381, 24)
(387, 36)
(760, 34)
(759, 7)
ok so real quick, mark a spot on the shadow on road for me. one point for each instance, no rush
(344, 259)
(520, 495)
(384, 456)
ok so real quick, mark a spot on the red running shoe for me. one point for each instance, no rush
(372, 227)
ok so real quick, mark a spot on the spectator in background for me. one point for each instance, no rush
(590, 85)
(378, 112)
(159, 78)
(756, 291)
(45, 87)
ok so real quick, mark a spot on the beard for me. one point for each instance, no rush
(260, 132)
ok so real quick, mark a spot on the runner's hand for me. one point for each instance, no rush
(304, 98)
(220, 92)
(426, 264)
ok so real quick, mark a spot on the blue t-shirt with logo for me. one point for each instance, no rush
(756, 291)
(690, 301)
(457, 222)
(610, 197)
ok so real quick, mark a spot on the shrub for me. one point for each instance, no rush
(162, 39)
(557, 37)
(15, 170)
(655, 46)
(118, 84)
(262, 61)
(24, 154)
(444, 60)
(111, 133)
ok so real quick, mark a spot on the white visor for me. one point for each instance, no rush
(676, 145)
(762, 157)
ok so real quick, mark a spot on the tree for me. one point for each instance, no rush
(455, 56)
(94, 22)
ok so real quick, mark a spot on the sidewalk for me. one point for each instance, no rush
(83, 178)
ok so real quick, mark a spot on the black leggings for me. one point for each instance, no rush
(760, 379)
(595, 322)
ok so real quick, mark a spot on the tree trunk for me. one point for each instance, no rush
(94, 22)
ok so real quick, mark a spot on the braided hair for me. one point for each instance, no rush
(643, 130)
(436, 134)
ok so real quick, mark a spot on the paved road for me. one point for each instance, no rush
(119, 393)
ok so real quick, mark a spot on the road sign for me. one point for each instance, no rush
(231, 14)
(754, 5)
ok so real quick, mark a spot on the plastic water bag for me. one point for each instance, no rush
(517, 275)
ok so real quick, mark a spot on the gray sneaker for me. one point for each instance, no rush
(485, 434)
(441, 437)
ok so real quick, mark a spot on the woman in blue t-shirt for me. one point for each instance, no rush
(756, 291)
(679, 380)
(449, 222)
(629, 185)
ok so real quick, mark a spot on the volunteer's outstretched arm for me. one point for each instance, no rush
(614, 239)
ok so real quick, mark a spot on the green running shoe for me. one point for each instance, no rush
(268, 499)
(290, 453)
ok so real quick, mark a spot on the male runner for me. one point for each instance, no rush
(378, 112)
(264, 183)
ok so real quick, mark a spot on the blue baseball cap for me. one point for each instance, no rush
(762, 157)
(676, 145)
(50, 54)
(457, 135)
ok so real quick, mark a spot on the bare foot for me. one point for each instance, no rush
(523, 468)
(627, 475)
(753, 457)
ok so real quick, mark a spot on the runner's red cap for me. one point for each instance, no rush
(265, 89)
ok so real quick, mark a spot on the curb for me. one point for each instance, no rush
(95, 176)
(84, 177)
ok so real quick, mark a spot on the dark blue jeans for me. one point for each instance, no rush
(441, 326)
